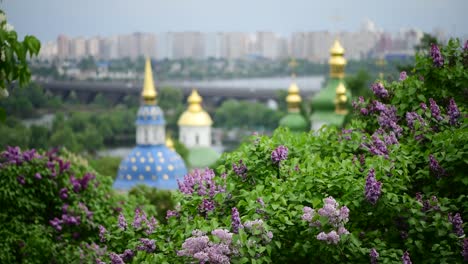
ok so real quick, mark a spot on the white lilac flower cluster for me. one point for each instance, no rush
(336, 217)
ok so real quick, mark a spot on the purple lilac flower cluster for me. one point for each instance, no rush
(453, 112)
(201, 182)
(361, 106)
(435, 167)
(336, 217)
(122, 223)
(81, 184)
(66, 219)
(374, 256)
(436, 56)
(457, 224)
(379, 90)
(387, 118)
(240, 169)
(377, 146)
(102, 233)
(279, 154)
(147, 245)
(235, 220)
(13, 155)
(201, 248)
(140, 218)
(403, 76)
(172, 213)
(435, 110)
(406, 258)
(257, 228)
(373, 187)
(207, 205)
(464, 252)
(412, 117)
(429, 204)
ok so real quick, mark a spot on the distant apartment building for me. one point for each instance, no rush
(137, 44)
(213, 45)
(267, 45)
(63, 50)
(109, 48)
(234, 45)
(48, 50)
(188, 45)
(92, 47)
(77, 48)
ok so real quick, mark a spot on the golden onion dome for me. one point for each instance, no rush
(341, 99)
(294, 98)
(149, 91)
(337, 61)
(195, 115)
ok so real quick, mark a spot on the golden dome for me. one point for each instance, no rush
(294, 98)
(341, 99)
(149, 91)
(195, 115)
(337, 61)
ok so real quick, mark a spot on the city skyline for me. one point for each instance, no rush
(49, 18)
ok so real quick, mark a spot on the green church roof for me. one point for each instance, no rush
(325, 99)
(329, 118)
(295, 122)
(202, 157)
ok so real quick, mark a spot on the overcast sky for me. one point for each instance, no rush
(48, 18)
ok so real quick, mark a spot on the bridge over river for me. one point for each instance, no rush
(261, 89)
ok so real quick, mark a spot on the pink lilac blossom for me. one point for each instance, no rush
(38, 176)
(374, 256)
(171, 213)
(115, 259)
(201, 182)
(223, 234)
(406, 258)
(373, 188)
(331, 238)
(147, 245)
(279, 154)
(403, 76)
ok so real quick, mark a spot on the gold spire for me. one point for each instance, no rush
(337, 61)
(194, 101)
(149, 91)
(294, 98)
(195, 115)
(341, 99)
(170, 143)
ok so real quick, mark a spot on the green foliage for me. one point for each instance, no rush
(32, 197)
(13, 63)
(107, 166)
(248, 115)
(410, 213)
(359, 83)
(161, 199)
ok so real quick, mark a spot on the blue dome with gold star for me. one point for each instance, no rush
(151, 162)
(155, 166)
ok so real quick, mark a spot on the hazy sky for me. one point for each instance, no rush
(48, 18)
